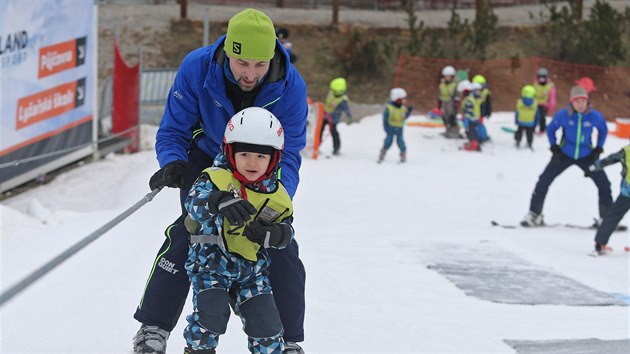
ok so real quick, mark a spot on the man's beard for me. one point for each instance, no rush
(247, 88)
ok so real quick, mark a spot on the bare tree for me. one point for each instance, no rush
(335, 14)
(183, 9)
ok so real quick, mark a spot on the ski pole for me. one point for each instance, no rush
(41, 271)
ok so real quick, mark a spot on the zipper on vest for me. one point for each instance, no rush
(261, 208)
(279, 216)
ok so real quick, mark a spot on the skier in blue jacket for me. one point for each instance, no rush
(247, 67)
(577, 122)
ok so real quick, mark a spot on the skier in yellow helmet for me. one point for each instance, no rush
(336, 106)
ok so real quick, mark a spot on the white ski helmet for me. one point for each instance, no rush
(464, 85)
(475, 86)
(397, 93)
(448, 71)
(255, 126)
(254, 129)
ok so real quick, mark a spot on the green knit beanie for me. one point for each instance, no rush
(250, 36)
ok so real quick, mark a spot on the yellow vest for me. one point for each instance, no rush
(396, 115)
(626, 150)
(273, 207)
(526, 114)
(476, 102)
(447, 90)
(332, 102)
(542, 91)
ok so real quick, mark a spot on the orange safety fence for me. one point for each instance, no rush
(420, 76)
(318, 127)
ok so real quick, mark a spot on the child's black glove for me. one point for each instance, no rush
(267, 234)
(236, 210)
(171, 175)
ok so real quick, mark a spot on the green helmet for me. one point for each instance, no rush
(338, 86)
(528, 91)
(479, 79)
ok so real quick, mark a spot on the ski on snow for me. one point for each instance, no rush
(567, 225)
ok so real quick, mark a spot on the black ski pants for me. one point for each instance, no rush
(555, 167)
(542, 113)
(612, 218)
(168, 284)
(529, 134)
(333, 132)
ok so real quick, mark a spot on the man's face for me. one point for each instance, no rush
(248, 73)
(580, 105)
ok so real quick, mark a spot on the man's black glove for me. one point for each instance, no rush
(236, 210)
(557, 153)
(594, 156)
(267, 234)
(171, 175)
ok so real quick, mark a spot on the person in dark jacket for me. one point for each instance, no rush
(244, 68)
(621, 206)
(577, 122)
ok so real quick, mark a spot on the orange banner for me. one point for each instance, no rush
(50, 103)
(61, 56)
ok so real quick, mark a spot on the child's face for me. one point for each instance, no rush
(580, 104)
(251, 165)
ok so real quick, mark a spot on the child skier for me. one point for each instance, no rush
(545, 96)
(394, 120)
(446, 101)
(336, 105)
(620, 207)
(471, 115)
(526, 115)
(236, 210)
(486, 106)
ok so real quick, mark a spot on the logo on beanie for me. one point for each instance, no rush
(236, 48)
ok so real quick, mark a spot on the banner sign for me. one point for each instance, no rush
(47, 67)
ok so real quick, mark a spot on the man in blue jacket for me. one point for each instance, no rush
(577, 122)
(244, 68)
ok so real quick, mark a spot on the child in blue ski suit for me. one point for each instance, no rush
(236, 210)
(393, 122)
(621, 206)
(471, 114)
(577, 122)
(526, 115)
(486, 106)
